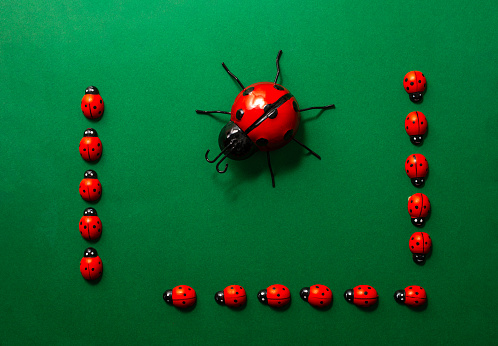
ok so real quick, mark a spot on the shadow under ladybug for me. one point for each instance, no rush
(265, 116)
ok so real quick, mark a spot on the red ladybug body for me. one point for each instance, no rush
(91, 265)
(90, 146)
(412, 295)
(415, 84)
(276, 296)
(363, 296)
(420, 245)
(264, 117)
(417, 167)
(90, 225)
(419, 208)
(182, 296)
(92, 104)
(416, 127)
(233, 296)
(319, 296)
(90, 188)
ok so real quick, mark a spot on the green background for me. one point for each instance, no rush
(170, 219)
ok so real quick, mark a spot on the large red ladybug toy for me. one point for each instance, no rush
(419, 208)
(276, 296)
(92, 104)
(90, 146)
(319, 296)
(417, 167)
(90, 188)
(415, 84)
(233, 296)
(420, 245)
(182, 296)
(416, 127)
(363, 296)
(265, 116)
(412, 295)
(90, 225)
(91, 265)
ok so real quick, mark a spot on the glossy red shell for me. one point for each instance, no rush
(415, 296)
(234, 296)
(320, 296)
(90, 148)
(415, 124)
(183, 296)
(420, 243)
(91, 267)
(278, 295)
(92, 106)
(414, 81)
(90, 189)
(418, 205)
(364, 295)
(416, 166)
(271, 134)
(90, 227)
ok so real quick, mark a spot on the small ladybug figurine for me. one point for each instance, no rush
(90, 146)
(264, 117)
(90, 225)
(276, 296)
(90, 188)
(420, 245)
(415, 84)
(319, 296)
(412, 296)
(416, 167)
(233, 296)
(182, 296)
(92, 104)
(419, 208)
(363, 296)
(91, 264)
(416, 127)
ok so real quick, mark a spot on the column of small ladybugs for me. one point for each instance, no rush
(90, 188)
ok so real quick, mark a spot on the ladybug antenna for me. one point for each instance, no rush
(324, 107)
(218, 165)
(278, 68)
(232, 75)
(228, 150)
(305, 147)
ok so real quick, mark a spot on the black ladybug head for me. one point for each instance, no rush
(419, 258)
(90, 212)
(349, 295)
(219, 297)
(91, 174)
(305, 293)
(92, 90)
(416, 97)
(417, 139)
(418, 182)
(418, 221)
(90, 133)
(168, 297)
(236, 142)
(399, 296)
(90, 252)
(262, 297)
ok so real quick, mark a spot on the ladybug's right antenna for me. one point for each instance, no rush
(278, 68)
(232, 75)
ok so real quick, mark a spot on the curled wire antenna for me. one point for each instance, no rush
(226, 151)
(278, 66)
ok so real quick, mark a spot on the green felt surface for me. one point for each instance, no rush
(170, 219)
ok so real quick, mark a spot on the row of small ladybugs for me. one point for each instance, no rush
(278, 296)
(90, 188)
(416, 167)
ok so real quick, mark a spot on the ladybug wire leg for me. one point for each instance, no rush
(305, 147)
(271, 170)
(209, 112)
(278, 70)
(217, 157)
(232, 75)
(324, 107)
(218, 165)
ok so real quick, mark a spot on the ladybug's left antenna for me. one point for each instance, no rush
(278, 66)
(232, 75)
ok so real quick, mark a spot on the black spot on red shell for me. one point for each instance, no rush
(239, 114)
(262, 142)
(288, 135)
(294, 105)
(278, 87)
(248, 91)
(411, 83)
